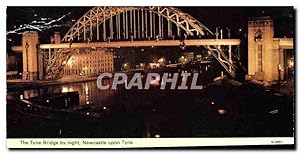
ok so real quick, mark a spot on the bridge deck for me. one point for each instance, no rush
(148, 43)
(285, 43)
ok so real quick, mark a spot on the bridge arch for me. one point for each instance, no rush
(87, 26)
(98, 15)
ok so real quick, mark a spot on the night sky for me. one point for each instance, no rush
(231, 17)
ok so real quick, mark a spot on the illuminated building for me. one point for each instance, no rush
(90, 62)
(266, 54)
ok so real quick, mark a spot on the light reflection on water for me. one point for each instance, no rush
(89, 94)
(129, 113)
(215, 111)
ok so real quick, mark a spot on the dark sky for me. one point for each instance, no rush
(231, 17)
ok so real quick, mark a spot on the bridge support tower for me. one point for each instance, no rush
(32, 59)
(265, 60)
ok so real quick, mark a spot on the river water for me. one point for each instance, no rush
(135, 113)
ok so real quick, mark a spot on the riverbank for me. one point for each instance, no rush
(19, 83)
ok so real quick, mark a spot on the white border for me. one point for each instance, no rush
(144, 142)
(119, 3)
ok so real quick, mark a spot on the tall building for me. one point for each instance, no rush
(90, 62)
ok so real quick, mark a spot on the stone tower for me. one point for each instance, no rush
(262, 59)
(30, 59)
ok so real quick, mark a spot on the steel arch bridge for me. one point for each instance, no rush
(112, 24)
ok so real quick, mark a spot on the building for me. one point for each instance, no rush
(186, 57)
(90, 62)
(189, 55)
(267, 60)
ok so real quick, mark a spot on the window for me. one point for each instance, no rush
(258, 36)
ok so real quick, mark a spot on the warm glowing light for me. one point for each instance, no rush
(104, 108)
(290, 63)
(47, 100)
(157, 135)
(21, 97)
(70, 62)
(221, 111)
(86, 90)
(198, 56)
(161, 60)
(279, 67)
(88, 113)
(64, 90)
(212, 103)
(64, 63)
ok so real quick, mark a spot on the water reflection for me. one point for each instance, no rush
(88, 92)
(30, 93)
(137, 113)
